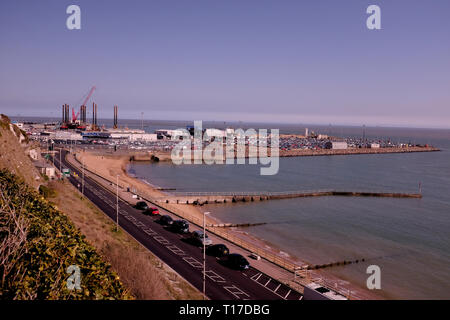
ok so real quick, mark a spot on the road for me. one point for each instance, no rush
(222, 283)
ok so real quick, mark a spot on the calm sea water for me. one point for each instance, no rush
(408, 238)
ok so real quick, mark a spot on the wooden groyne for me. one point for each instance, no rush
(236, 225)
(210, 197)
(144, 157)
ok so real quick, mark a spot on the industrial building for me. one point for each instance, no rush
(143, 137)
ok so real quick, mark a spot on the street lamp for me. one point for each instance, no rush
(82, 180)
(60, 172)
(117, 203)
(204, 255)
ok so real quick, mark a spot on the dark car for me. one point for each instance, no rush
(141, 205)
(166, 220)
(180, 226)
(217, 250)
(237, 261)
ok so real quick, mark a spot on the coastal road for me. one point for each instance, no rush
(222, 283)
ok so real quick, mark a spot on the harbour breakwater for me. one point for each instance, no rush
(201, 198)
(166, 155)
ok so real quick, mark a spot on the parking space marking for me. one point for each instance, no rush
(256, 277)
(176, 250)
(193, 262)
(149, 231)
(138, 224)
(287, 294)
(161, 240)
(235, 291)
(260, 278)
(214, 276)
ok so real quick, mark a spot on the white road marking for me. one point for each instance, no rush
(149, 231)
(161, 240)
(235, 291)
(193, 262)
(140, 224)
(256, 277)
(277, 288)
(214, 276)
(287, 294)
(176, 250)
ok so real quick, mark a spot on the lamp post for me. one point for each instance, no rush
(60, 172)
(82, 180)
(204, 255)
(117, 203)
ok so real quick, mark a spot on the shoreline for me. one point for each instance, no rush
(112, 165)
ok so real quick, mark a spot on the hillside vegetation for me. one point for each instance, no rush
(13, 148)
(39, 244)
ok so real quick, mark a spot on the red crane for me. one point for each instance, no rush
(89, 95)
(74, 117)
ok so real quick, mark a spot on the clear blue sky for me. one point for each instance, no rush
(250, 60)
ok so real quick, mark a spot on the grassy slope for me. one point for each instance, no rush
(13, 157)
(36, 256)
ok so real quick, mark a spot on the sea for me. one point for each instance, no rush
(409, 239)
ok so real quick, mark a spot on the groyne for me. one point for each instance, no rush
(201, 198)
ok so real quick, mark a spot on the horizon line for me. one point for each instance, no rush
(268, 122)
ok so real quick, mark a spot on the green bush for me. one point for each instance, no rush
(47, 192)
(52, 245)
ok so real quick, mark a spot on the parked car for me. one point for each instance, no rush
(217, 250)
(180, 226)
(153, 211)
(237, 261)
(197, 237)
(166, 220)
(141, 205)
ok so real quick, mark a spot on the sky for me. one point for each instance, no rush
(286, 61)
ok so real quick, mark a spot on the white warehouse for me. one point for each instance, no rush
(143, 137)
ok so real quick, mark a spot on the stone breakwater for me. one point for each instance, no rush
(156, 156)
(351, 151)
